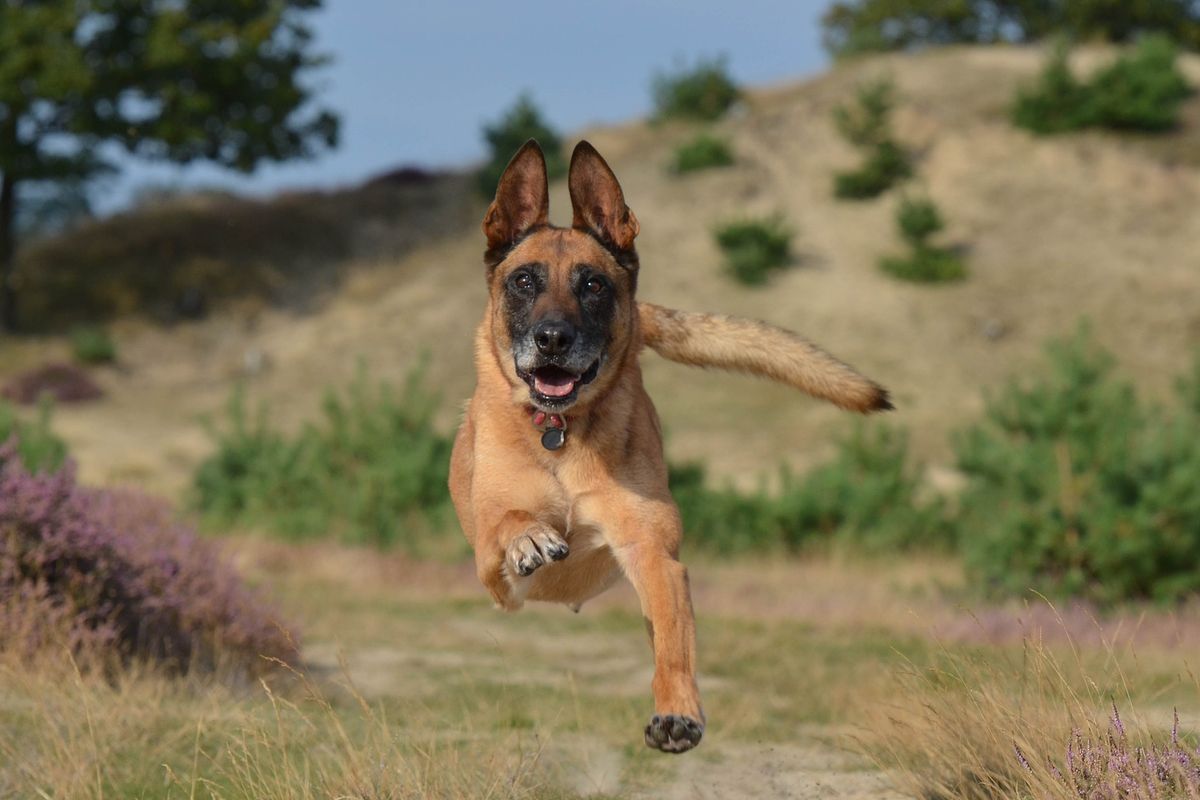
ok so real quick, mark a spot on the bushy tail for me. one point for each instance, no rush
(715, 340)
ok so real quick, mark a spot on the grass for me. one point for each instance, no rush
(754, 248)
(413, 686)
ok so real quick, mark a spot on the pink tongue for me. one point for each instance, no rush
(555, 385)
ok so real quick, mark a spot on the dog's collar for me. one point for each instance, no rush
(552, 426)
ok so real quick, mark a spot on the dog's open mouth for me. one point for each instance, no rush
(553, 385)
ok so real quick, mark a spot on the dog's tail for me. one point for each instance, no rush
(742, 345)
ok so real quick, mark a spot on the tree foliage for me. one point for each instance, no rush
(177, 80)
(856, 26)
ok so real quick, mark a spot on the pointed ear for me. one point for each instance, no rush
(598, 201)
(522, 198)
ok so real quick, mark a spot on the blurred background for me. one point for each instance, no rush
(240, 272)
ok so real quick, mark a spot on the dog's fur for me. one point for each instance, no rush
(561, 335)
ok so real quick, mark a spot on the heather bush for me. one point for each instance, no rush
(93, 345)
(865, 498)
(113, 575)
(754, 248)
(918, 219)
(374, 470)
(36, 445)
(1077, 488)
(1111, 768)
(505, 136)
(703, 151)
(704, 91)
(866, 124)
(61, 383)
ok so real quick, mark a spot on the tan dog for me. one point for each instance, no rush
(558, 474)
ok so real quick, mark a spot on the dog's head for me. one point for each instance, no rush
(562, 299)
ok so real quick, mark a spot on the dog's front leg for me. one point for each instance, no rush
(661, 583)
(515, 546)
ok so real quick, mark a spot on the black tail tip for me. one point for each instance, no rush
(882, 401)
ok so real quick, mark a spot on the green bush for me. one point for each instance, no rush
(373, 470)
(702, 152)
(39, 449)
(504, 138)
(1078, 489)
(918, 219)
(1140, 91)
(865, 498)
(885, 166)
(701, 92)
(91, 345)
(866, 124)
(754, 248)
(1058, 102)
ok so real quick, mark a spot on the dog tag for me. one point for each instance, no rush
(553, 438)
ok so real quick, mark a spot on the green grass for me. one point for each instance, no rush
(754, 248)
(704, 151)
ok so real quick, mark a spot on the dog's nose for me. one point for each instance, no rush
(554, 337)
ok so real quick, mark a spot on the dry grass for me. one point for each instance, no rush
(995, 724)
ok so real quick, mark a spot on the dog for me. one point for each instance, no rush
(557, 472)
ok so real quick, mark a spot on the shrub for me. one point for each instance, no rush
(61, 383)
(867, 125)
(1077, 489)
(885, 166)
(91, 345)
(856, 26)
(522, 122)
(1058, 102)
(864, 498)
(702, 92)
(115, 576)
(754, 248)
(918, 219)
(1141, 91)
(37, 447)
(702, 152)
(374, 470)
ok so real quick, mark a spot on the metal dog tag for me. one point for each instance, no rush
(553, 438)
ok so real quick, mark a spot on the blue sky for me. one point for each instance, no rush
(414, 81)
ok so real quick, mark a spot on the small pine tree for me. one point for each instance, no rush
(918, 220)
(522, 122)
(866, 124)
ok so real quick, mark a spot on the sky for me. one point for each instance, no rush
(414, 81)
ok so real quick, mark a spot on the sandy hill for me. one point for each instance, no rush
(1055, 229)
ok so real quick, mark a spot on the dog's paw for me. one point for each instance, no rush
(535, 547)
(673, 733)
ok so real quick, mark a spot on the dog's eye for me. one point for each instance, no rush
(594, 286)
(523, 281)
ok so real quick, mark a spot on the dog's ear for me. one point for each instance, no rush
(522, 198)
(597, 200)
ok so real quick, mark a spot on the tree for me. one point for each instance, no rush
(176, 80)
(856, 26)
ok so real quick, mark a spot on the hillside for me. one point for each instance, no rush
(1054, 230)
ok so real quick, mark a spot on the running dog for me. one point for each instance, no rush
(557, 474)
